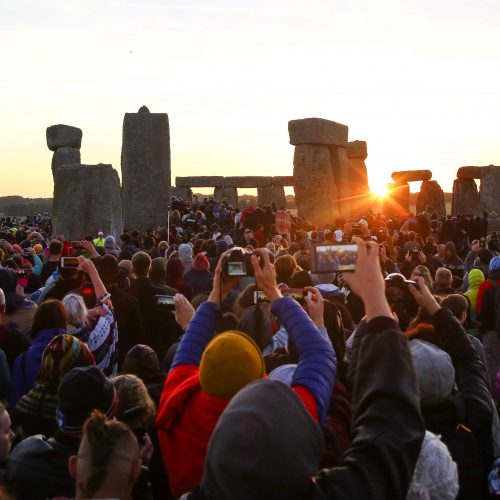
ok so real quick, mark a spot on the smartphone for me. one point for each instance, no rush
(165, 301)
(77, 245)
(333, 258)
(299, 294)
(69, 263)
(259, 297)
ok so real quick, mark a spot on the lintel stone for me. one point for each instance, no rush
(357, 149)
(200, 181)
(317, 131)
(247, 181)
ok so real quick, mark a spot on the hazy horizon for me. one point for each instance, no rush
(417, 81)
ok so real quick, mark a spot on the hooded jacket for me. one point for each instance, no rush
(475, 278)
(187, 415)
(453, 263)
(485, 302)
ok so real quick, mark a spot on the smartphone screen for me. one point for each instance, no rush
(296, 293)
(165, 301)
(69, 262)
(332, 258)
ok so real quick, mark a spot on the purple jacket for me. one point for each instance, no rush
(27, 365)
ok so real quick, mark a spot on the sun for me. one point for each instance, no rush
(379, 189)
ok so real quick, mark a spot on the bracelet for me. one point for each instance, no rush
(104, 298)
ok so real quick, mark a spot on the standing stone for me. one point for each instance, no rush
(431, 194)
(314, 185)
(66, 142)
(87, 199)
(489, 191)
(317, 131)
(184, 193)
(268, 195)
(465, 197)
(227, 194)
(145, 169)
(359, 190)
(343, 181)
(65, 156)
(59, 136)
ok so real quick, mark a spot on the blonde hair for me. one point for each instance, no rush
(76, 310)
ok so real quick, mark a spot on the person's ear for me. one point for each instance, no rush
(73, 466)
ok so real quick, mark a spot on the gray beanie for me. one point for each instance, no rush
(435, 476)
(435, 372)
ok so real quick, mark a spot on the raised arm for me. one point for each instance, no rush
(316, 368)
(201, 329)
(387, 425)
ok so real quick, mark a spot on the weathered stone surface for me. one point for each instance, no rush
(283, 180)
(59, 136)
(184, 193)
(228, 195)
(314, 185)
(271, 194)
(489, 191)
(359, 192)
(87, 199)
(145, 169)
(65, 156)
(247, 181)
(411, 176)
(317, 131)
(200, 181)
(469, 172)
(342, 177)
(432, 195)
(357, 149)
(465, 197)
(397, 201)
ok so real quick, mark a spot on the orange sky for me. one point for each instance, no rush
(417, 80)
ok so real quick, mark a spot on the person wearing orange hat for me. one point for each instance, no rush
(209, 370)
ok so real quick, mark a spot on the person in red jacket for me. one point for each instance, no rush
(209, 370)
(486, 310)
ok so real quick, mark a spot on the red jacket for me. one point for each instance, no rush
(186, 419)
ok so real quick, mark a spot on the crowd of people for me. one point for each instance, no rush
(140, 366)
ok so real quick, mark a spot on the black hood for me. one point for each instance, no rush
(265, 445)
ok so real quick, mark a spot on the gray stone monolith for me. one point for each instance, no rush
(489, 190)
(359, 190)
(465, 197)
(314, 184)
(229, 195)
(268, 195)
(65, 156)
(432, 195)
(145, 164)
(184, 193)
(343, 181)
(87, 199)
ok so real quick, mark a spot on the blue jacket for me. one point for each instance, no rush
(316, 368)
(27, 365)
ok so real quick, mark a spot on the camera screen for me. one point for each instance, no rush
(236, 269)
(69, 262)
(164, 300)
(331, 258)
(294, 293)
(259, 297)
